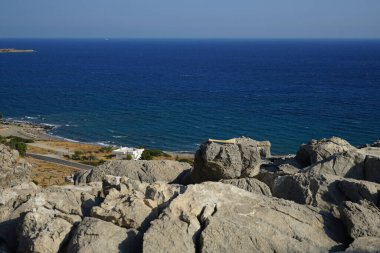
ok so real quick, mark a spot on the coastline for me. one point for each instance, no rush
(13, 50)
(38, 132)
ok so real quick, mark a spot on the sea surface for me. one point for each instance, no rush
(175, 94)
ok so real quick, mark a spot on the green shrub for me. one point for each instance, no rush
(185, 160)
(148, 154)
(19, 146)
(106, 149)
(76, 157)
(19, 139)
(129, 157)
(93, 163)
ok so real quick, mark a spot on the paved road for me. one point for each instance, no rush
(60, 161)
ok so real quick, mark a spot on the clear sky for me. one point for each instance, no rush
(190, 18)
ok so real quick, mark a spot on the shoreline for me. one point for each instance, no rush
(39, 132)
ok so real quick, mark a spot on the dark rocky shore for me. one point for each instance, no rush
(237, 198)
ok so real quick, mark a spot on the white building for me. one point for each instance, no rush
(123, 152)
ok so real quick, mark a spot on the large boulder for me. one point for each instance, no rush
(249, 184)
(361, 219)
(372, 168)
(361, 164)
(130, 205)
(12, 201)
(44, 231)
(277, 166)
(40, 213)
(13, 169)
(215, 161)
(144, 171)
(324, 191)
(97, 236)
(318, 150)
(217, 217)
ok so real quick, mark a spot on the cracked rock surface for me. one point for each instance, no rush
(216, 217)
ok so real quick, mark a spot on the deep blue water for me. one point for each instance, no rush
(174, 94)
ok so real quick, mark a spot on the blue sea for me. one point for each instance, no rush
(175, 94)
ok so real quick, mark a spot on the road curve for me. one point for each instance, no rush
(60, 161)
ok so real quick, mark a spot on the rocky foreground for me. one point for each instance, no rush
(237, 198)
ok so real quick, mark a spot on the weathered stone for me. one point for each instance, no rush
(43, 231)
(214, 161)
(216, 217)
(277, 166)
(324, 191)
(372, 169)
(361, 219)
(318, 150)
(356, 191)
(376, 144)
(50, 205)
(348, 164)
(361, 164)
(144, 171)
(249, 184)
(13, 169)
(365, 244)
(131, 206)
(97, 236)
(11, 203)
(264, 148)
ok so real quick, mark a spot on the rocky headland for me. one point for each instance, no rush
(236, 198)
(14, 50)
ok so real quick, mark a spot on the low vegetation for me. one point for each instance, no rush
(185, 160)
(91, 158)
(149, 154)
(17, 143)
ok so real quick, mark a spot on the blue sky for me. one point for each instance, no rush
(190, 18)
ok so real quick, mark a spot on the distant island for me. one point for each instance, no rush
(13, 50)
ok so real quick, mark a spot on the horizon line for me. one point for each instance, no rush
(198, 38)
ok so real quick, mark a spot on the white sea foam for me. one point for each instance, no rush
(119, 136)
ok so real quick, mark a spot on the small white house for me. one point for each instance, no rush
(123, 152)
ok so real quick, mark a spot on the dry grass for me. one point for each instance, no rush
(46, 174)
(73, 146)
(38, 150)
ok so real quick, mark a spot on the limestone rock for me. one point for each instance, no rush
(324, 191)
(264, 148)
(365, 244)
(356, 191)
(216, 217)
(361, 219)
(360, 164)
(278, 166)
(11, 205)
(13, 169)
(97, 236)
(318, 150)
(144, 171)
(132, 206)
(347, 164)
(372, 168)
(43, 231)
(215, 161)
(34, 209)
(249, 184)
(376, 144)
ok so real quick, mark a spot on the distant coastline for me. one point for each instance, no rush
(13, 50)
